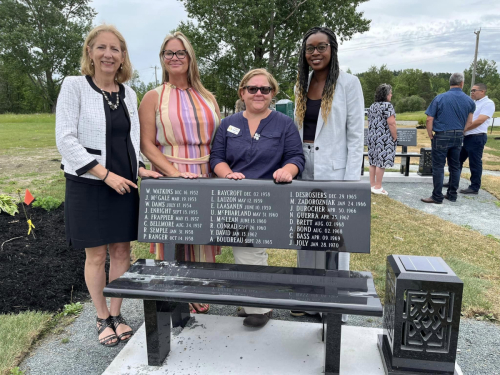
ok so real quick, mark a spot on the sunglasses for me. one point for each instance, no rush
(253, 89)
(474, 90)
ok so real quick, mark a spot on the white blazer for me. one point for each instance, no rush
(82, 127)
(339, 143)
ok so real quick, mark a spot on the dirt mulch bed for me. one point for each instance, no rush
(38, 274)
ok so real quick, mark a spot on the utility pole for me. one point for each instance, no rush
(475, 59)
(156, 77)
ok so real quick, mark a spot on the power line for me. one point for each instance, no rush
(401, 41)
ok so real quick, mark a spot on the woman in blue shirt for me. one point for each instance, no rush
(257, 143)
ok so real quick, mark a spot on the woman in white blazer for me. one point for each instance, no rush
(330, 116)
(97, 134)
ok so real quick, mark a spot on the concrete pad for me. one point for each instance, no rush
(398, 177)
(222, 345)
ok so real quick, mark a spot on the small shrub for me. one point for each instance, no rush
(73, 309)
(65, 340)
(8, 205)
(47, 203)
(422, 123)
(16, 371)
(413, 103)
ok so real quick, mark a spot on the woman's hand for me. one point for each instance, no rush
(282, 175)
(187, 175)
(119, 184)
(143, 172)
(235, 176)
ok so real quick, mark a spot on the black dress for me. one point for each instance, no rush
(95, 214)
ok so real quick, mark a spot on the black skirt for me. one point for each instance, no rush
(97, 215)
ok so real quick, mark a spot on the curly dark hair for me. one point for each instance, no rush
(382, 91)
(303, 76)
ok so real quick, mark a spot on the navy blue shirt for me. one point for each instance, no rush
(278, 144)
(450, 110)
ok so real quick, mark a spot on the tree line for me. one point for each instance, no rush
(40, 44)
(413, 89)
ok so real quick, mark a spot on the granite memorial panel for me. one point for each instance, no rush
(406, 136)
(313, 215)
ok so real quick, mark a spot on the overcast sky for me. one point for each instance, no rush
(432, 35)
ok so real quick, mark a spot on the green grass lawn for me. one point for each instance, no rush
(415, 116)
(26, 132)
(18, 333)
(395, 229)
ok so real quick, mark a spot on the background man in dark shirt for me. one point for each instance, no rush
(447, 116)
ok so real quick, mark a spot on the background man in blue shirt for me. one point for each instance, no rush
(447, 116)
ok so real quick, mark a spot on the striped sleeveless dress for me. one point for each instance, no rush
(185, 126)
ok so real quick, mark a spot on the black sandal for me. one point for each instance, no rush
(102, 324)
(116, 321)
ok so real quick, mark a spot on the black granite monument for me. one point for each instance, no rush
(421, 316)
(328, 216)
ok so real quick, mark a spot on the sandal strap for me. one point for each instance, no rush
(109, 338)
(117, 320)
(103, 324)
(128, 333)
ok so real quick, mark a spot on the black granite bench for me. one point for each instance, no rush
(167, 286)
(406, 137)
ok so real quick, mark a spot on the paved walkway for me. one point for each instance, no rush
(479, 352)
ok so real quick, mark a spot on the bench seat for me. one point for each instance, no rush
(329, 291)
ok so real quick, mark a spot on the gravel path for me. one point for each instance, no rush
(476, 211)
(479, 350)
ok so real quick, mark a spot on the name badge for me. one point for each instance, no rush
(233, 129)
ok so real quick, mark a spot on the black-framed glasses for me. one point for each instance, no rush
(253, 89)
(169, 55)
(320, 47)
(474, 90)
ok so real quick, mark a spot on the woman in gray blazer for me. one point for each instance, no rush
(330, 116)
(97, 134)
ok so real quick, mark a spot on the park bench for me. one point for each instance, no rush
(304, 215)
(406, 137)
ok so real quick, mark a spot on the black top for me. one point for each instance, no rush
(119, 162)
(311, 119)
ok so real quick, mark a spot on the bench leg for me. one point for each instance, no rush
(332, 343)
(407, 169)
(157, 316)
(180, 315)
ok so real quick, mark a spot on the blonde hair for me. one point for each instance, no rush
(123, 74)
(259, 72)
(193, 73)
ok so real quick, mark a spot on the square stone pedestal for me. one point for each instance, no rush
(421, 316)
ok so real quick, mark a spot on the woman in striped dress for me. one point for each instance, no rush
(178, 122)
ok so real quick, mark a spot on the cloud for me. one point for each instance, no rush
(432, 35)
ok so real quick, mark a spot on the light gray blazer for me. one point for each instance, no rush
(339, 143)
(81, 127)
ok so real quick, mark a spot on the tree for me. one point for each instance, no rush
(140, 87)
(413, 103)
(43, 39)
(233, 36)
(486, 72)
(408, 82)
(371, 79)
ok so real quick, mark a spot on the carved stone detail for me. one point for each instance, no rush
(427, 319)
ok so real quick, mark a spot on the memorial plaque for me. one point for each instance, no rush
(406, 136)
(422, 264)
(314, 215)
